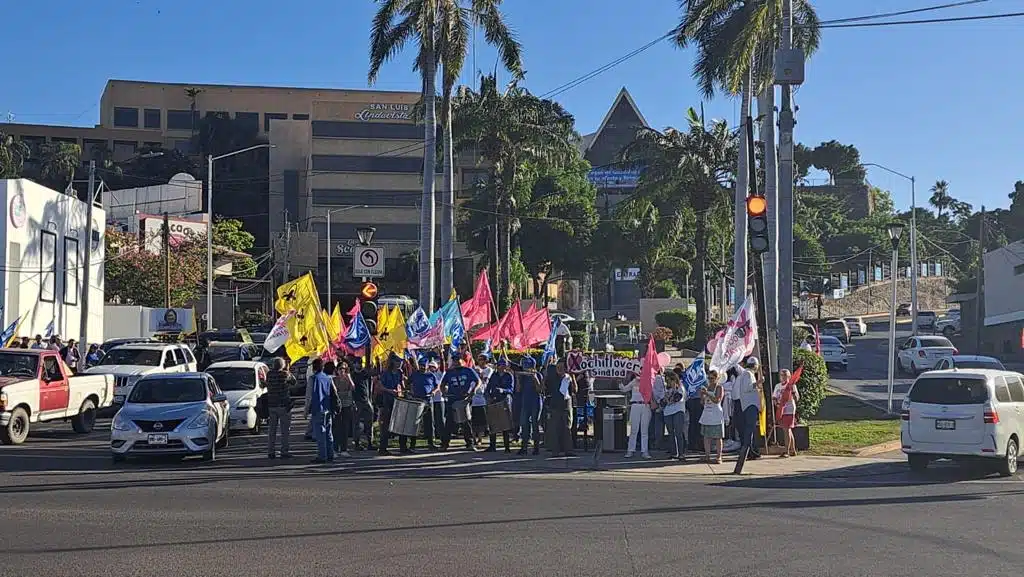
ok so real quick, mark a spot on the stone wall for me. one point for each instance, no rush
(876, 298)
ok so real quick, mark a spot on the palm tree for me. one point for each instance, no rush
(508, 128)
(940, 199)
(691, 168)
(57, 164)
(13, 153)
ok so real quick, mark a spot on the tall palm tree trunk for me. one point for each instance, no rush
(700, 240)
(504, 255)
(426, 292)
(448, 205)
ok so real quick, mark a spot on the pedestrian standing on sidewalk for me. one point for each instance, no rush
(675, 416)
(712, 426)
(528, 387)
(639, 418)
(317, 367)
(279, 407)
(560, 391)
(387, 388)
(437, 400)
(363, 409)
(748, 387)
(322, 400)
(500, 388)
(694, 408)
(657, 426)
(424, 383)
(733, 413)
(346, 411)
(788, 420)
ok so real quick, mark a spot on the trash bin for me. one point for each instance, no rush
(614, 429)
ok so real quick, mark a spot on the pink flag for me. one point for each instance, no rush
(650, 365)
(512, 329)
(352, 312)
(536, 327)
(477, 310)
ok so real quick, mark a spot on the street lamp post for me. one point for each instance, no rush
(895, 230)
(330, 251)
(913, 243)
(209, 226)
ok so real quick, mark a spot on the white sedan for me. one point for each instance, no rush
(243, 382)
(834, 352)
(922, 353)
(857, 326)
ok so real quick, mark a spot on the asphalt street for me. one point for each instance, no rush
(868, 374)
(69, 511)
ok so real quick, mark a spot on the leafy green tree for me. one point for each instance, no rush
(840, 161)
(13, 153)
(231, 234)
(650, 235)
(56, 164)
(940, 198)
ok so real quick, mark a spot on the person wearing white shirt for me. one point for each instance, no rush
(639, 418)
(675, 416)
(657, 427)
(788, 420)
(747, 388)
(479, 401)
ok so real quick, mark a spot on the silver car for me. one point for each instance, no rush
(171, 414)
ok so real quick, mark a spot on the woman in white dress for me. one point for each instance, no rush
(712, 419)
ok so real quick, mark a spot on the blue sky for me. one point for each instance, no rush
(934, 100)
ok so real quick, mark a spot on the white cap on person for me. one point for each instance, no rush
(752, 361)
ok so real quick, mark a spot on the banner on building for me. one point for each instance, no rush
(172, 320)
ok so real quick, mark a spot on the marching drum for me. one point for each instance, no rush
(499, 417)
(461, 411)
(406, 416)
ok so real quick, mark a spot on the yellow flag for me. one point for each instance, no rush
(297, 295)
(762, 422)
(453, 296)
(394, 336)
(334, 323)
(307, 329)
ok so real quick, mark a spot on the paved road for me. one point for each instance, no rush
(868, 376)
(68, 511)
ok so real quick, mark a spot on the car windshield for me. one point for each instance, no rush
(935, 342)
(19, 365)
(227, 352)
(128, 356)
(980, 364)
(949, 391)
(163, 390)
(234, 379)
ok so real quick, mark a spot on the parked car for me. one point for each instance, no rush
(969, 362)
(834, 353)
(234, 351)
(918, 354)
(949, 326)
(964, 414)
(244, 383)
(837, 329)
(926, 320)
(171, 414)
(111, 343)
(36, 386)
(903, 310)
(562, 317)
(129, 363)
(857, 326)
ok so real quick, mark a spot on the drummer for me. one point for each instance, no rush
(388, 386)
(528, 388)
(500, 387)
(458, 384)
(424, 383)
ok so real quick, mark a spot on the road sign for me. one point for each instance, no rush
(368, 261)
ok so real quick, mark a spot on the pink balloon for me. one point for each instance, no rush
(664, 359)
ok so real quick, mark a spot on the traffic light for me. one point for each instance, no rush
(368, 296)
(757, 223)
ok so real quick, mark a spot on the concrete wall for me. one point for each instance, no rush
(1004, 284)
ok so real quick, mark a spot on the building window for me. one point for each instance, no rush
(346, 197)
(47, 265)
(268, 116)
(152, 145)
(64, 140)
(375, 130)
(250, 120)
(93, 150)
(71, 266)
(124, 150)
(300, 117)
(181, 119)
(126, 117)
(1019, 269)
(219, 114)
(151, 118)
(350, 163)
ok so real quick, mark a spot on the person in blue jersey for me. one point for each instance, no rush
(424, 383)
(390, 384)
(528, 388)
(459, 383)
(500, 387)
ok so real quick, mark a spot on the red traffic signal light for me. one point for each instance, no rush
(369, 291)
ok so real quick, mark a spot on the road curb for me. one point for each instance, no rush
(878, 449)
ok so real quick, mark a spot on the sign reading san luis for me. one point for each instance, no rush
(385, 111)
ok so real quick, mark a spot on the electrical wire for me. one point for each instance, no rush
(927, 21)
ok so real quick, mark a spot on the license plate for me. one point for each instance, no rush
(158, 439)
(945, 424)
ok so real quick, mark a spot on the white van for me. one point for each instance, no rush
(964, 414)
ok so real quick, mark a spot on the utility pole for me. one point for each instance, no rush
(166, 234)
(743, 161)
(83, 322)
(770, 259)
(913, 257)
(979, 291)
(786, 125)
(724, 309)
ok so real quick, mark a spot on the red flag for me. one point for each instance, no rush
(512, 329)
(536, 327)
(477, 310)
(817, 340)
(787, 392)
(650, 365)
(352, 312)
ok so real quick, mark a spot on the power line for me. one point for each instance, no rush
(902, 12)
(928, 21)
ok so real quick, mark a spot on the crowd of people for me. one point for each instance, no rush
(68, 350)
(546, 405)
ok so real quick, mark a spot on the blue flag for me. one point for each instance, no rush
(357, 336)
(417, 324)
(549, 348)
(694, 378)
(451, 315)
(8, 333)
(49, 330)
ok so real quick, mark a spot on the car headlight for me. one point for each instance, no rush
(245, 404)
(201, 421)
(121, 423)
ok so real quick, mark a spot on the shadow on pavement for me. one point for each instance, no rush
(894, 473)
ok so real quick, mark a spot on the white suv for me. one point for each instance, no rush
(964, 414)
(129, 363)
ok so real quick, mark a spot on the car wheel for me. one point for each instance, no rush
(16, 430)
(918, 463)
(844, 367)
(223, 443)
(85, 420)
(1009, 465)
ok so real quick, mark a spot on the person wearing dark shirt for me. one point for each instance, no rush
(528, 389)
(458, 385)
(279, 407)
(499, 389)
(389, 386)
(363, 420)
(559, 389)
(423, 385)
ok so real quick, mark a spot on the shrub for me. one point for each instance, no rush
(662, 334)
(665, 289)
(580, 339)
(799, 335)
(680, 321)
(577, 326)
(812, 382)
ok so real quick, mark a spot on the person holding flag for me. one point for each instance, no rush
(785, 396)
